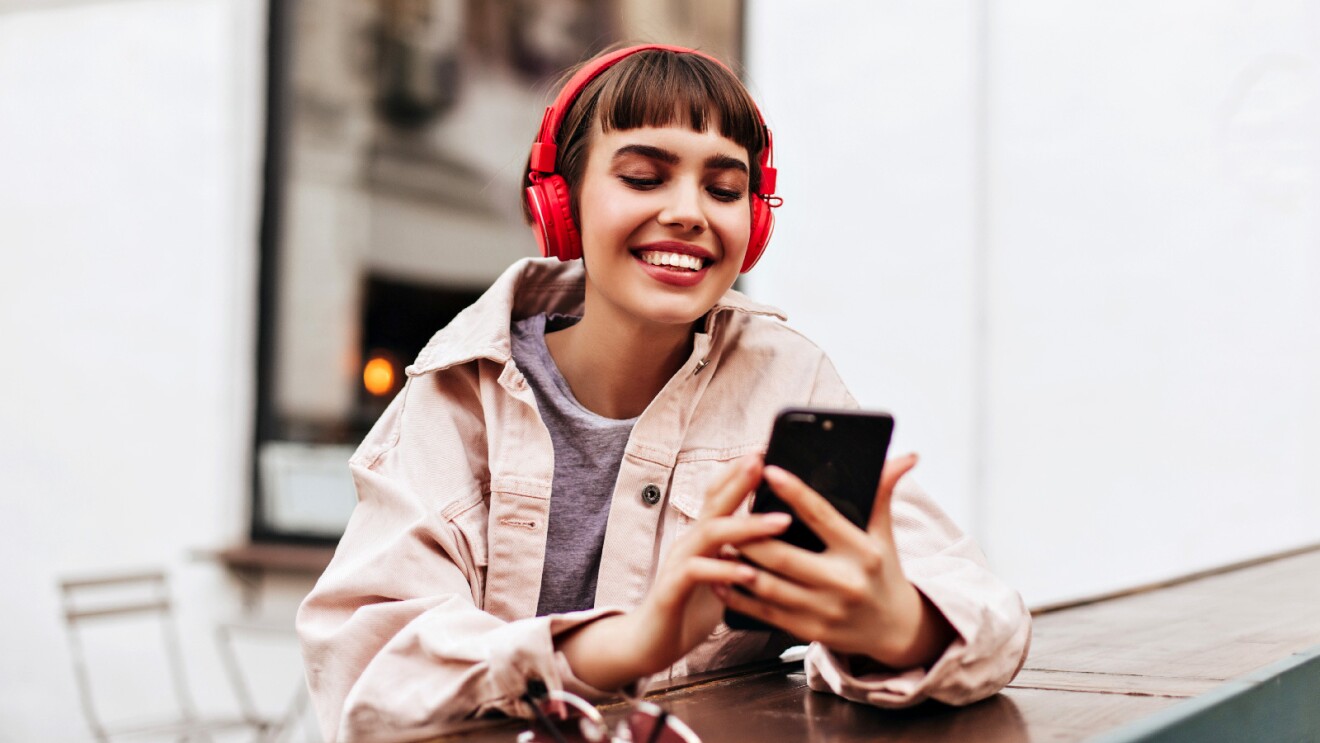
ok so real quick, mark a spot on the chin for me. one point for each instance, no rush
(675, 315)
(651, 302)
(677, 308)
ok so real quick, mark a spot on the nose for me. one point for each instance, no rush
(683, 208)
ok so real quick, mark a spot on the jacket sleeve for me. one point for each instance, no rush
(992, 624)
(395, 643)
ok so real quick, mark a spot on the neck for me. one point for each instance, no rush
(615, 367)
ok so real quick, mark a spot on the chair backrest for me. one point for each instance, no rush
(89, 599)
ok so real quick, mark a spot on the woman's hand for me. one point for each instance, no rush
(853, 597)
(681, 609)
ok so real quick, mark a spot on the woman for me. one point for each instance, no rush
(553, 494)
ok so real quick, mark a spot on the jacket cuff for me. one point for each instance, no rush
(526, 651)
(984, 656)
(568, 681)
(876, 685)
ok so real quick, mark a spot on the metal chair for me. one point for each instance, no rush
(146, 595)
(297, 706)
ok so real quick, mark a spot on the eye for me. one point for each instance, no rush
(725, 194)
(639, 182)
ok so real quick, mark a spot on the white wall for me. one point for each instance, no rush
(1154, 273)
(1082, 265)
(130, 152)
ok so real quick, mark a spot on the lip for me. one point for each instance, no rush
(669, 276)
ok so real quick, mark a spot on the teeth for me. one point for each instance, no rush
(677, 260)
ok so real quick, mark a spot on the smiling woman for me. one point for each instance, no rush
(528, 509)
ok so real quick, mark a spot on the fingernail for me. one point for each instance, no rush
(777, 519)
(746, 574)
(720, 590)
(773, 473)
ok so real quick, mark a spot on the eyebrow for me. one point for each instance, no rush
(714, 162)
(725, 162)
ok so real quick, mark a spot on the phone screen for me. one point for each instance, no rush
(838, 453)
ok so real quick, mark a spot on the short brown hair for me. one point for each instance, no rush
(657, 87)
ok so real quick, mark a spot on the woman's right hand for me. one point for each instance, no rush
(680, 610)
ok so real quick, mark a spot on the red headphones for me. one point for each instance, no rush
(548, 197)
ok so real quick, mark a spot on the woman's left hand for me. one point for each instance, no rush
(852, 597)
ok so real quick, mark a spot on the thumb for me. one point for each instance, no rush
(882, 523)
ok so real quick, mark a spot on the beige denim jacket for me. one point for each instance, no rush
(426, 616)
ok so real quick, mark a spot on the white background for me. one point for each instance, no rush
(1073, 248)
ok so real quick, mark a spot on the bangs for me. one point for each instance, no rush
(659, 88)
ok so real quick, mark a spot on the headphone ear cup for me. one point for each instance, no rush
(763, 223)
(552, 218)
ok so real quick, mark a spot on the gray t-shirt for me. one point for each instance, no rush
(588, 452)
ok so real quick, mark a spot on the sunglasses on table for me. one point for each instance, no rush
(562, 717)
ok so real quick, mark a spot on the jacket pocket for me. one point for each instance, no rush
(687, 493)
(692, 478)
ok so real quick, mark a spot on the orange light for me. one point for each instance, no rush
(378, 376)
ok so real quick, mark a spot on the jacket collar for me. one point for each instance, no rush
(529, 286)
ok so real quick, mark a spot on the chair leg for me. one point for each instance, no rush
(293, 716)
(225, 642)
(178, 674)
(85, 687)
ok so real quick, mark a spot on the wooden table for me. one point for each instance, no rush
(1093, 669)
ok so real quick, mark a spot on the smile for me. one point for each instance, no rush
(680, 261)
(677, 264)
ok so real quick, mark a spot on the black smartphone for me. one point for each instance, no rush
(840, 454)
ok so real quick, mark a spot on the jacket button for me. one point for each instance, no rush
(650, 495)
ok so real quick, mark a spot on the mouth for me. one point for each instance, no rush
(676, 257)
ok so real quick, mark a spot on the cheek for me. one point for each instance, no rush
(601, 218)
(735, 228)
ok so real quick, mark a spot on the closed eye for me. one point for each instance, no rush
(641, 184)
(726, 194)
